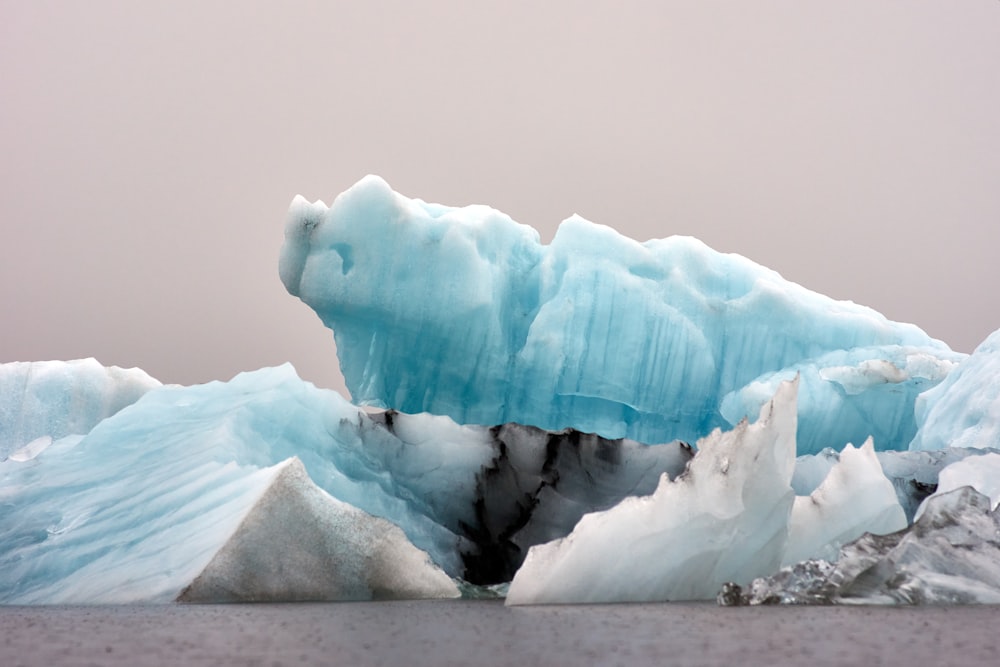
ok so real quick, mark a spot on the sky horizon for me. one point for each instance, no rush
(151, 151)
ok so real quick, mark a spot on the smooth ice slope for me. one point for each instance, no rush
(41, 401)
(964, 410)
(724, 519)
(462, 312)
(851, 395)
(299, 543)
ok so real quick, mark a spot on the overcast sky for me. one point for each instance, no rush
(150, 151)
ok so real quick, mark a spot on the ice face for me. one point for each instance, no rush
(980, 472)
(724, 518)
(950, 555)
(855, 497)
(203, 492)
(732, 512)
(914, 475)
(41, 401)
(851, 395)
(462, 312)
(134, 511)
(964, 410)
(299, 543)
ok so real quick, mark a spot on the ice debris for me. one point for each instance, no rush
(950, 555)
(463, 312)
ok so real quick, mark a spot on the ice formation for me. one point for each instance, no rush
(981, 473)
(114, 488)
(159, 498)
(914, 475)
(45, 400)
(732, 512)
(136, 510)
(950, 555)
(964, 410)
(855, 497)
(463, 312)
(851, 395)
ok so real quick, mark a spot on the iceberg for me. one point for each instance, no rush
(45, 400)
(165, 491)
(964, 410)
(267, 488)
(950, 555)
(463, 312)
(536, 405)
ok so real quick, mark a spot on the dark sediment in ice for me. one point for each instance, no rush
(950, 555)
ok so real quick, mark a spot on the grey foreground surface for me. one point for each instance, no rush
(486, 633)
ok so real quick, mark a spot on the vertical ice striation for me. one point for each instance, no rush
(463, 312)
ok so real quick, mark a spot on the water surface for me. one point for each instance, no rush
(484, 632)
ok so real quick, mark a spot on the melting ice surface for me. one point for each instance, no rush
(463, 312)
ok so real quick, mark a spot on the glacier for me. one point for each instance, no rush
(463, 312)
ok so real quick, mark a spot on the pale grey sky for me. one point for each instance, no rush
(150, 151)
